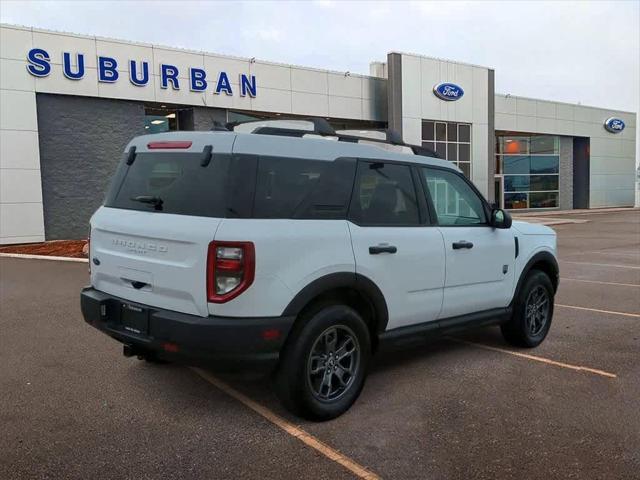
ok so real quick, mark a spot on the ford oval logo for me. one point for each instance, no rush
(448, 91)
(614, 125)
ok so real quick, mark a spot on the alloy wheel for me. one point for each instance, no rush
(333, 363)
(537, 310)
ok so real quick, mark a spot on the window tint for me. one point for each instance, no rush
(452, 142)
(384, 194)
(455, 202)
(545, 144)
(545, 164)
(171, 183)
(530, 166)
(464, 133)
(301, 188)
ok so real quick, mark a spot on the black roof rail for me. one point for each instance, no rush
(320, 126)
(323, 128)
(392, 138)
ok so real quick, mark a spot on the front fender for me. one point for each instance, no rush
(547, 262)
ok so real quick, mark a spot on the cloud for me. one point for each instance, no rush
(565, 51)
(264, 34)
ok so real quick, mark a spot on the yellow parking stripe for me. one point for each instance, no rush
(293, 430)
(537, 359)
(625, 314)
(615, 265)
(599, 282)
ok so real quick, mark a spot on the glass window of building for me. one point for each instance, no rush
(158, 120)
(530, 168)
(451, 141)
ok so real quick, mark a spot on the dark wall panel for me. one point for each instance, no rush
(82, 139)
(581, 172)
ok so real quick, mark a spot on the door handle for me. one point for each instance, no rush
(462, 244)
(382, 249)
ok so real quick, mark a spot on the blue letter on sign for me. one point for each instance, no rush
(169, 72)
(198, 82)
(66, 66)
(133, 73)
(247, 85)
(107, 69)
(38, 62)
(223, 84)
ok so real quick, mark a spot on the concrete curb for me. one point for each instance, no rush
(44, 257)
(551, 221)
(592, 211)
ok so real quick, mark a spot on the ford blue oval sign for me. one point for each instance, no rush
(614, 125)
(448, 91)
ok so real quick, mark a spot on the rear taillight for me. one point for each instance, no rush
(88, 247)
(231, 267)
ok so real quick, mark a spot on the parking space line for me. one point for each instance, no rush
(614, 265)
(537, 359)
(625, 314)
(293, 430)
(599, 282)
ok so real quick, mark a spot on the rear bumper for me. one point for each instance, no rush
(218, 342)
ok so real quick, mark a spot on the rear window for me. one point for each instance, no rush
(171, 183)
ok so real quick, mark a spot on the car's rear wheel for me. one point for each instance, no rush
(533, 312)
(324, 363)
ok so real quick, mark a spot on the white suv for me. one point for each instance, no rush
(304, 255)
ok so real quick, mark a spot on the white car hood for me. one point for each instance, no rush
(526, 228)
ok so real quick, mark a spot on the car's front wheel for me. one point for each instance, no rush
(324, 363)
(532, 312)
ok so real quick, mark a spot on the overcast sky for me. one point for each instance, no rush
(585, 52)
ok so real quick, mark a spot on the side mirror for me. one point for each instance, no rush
(500, 218)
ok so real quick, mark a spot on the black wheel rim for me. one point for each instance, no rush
(537, 310)
(333, 363)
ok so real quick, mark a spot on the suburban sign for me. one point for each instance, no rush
(39, 65)
(448, 91)
(614, 125)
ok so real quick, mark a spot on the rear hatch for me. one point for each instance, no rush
(149, 241)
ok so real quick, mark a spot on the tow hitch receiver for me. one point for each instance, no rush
(131, 351)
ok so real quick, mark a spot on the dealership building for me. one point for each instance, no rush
(70, 104)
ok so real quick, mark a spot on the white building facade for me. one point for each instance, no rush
(70, 103)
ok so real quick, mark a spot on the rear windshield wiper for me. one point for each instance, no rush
(151, 200)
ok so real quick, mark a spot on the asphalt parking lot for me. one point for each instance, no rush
(71, 406)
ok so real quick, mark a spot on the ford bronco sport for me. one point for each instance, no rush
(305, 255)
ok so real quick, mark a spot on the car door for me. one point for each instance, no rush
(479, 258)
(393, 244)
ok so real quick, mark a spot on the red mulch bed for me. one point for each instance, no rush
(56, 248)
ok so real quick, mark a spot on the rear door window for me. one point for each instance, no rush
(384, 195)
(303, 189)
(171, 183)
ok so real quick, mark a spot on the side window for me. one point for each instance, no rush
(455, 202)
(384, 194)
(301, 188)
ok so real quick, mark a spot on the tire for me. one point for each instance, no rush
(318, 344)
(532, 312)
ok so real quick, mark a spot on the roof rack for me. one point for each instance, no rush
(323, 128)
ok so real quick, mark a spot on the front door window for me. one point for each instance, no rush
(455, 202)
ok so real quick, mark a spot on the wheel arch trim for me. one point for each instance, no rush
(546, 258)
(363, 285)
